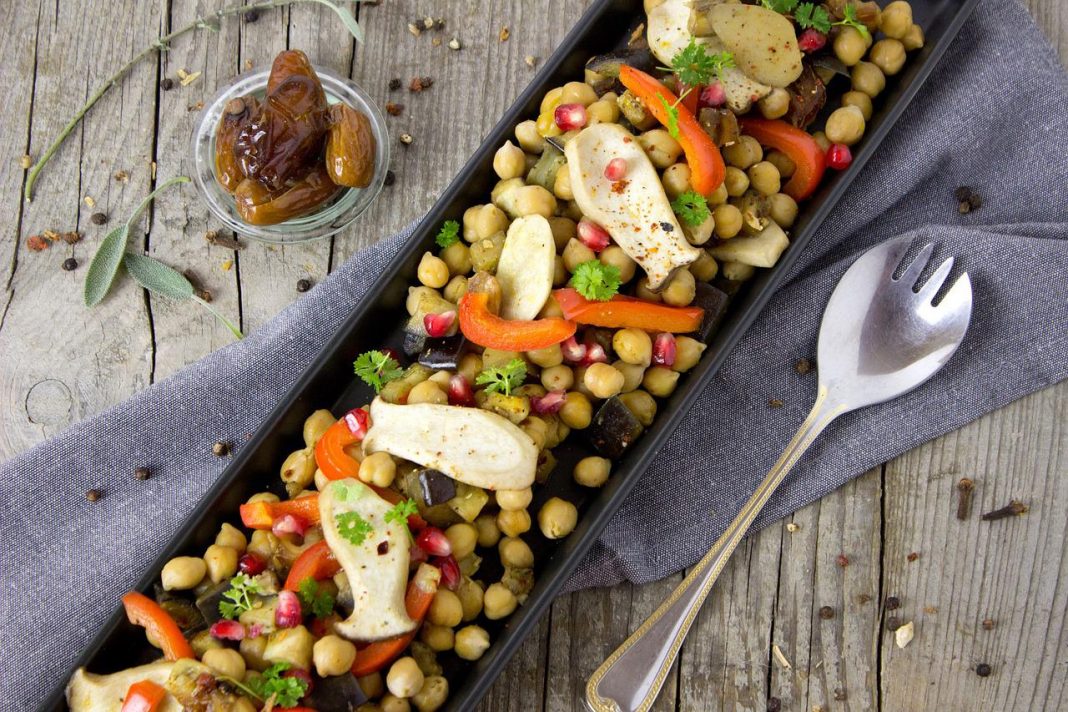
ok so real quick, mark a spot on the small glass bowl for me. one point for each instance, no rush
(329, 218)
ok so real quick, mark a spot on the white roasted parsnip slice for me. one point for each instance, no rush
(470, 445)
(525, 268)
(760, 250)
(88, 692)
(377, 567)
(635, 211)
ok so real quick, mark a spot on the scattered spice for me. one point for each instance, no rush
(893, 623)
(303, 285)
(983, 670)
(383, 548)
(227, 265)
(504, 34)
(930, 610)
(89, 202)
(406, 139)
(252, 15)
(394, 109)
(792, 527)
(436, 42)
(71, 237)
(98, 218)
(1012, 509)
(220, 448)
(198, 287)
(780, 657)
(839, 694)
(904, 635)
(415, 29)
(774, 704)
(142, 473)
(418, 84)
(912, 556)
(964, 498)
(195, 107)
(70, 264)
(893, 603)
(190, 78)
(826, 613)
(454, 44)
(37, 243)
(775, 403)
(989, 623)
(152, 169)
(968, 199)
(863, 598)
(93, 495)
(842, 560)
(122, 176)
(166, 84)
(390, 178)
(229, 243)
(25, 162)
(394, 84)
(532, 61)
(803, 366)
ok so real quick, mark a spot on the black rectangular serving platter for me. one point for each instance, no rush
(377, 322)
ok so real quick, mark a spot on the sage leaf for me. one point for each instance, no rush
(157, 277)
(105, 265)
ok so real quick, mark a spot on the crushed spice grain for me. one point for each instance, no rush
(454, 44)
(71, 237)
(826, 613)
(121, 176)
(142, 473)
(792, 527)
(37, 243)
(98, 218)
(531, 60)
(418, 84)
(70, 264)
(220, 448)
(913, 556)
(415, 29)
(229, 243)
(775, 403)
(406, 139)
(394, 109)
(190, 78)
(166, 84)
(892, 603)
(989, 623)
(89, 201)
(504, 34)
(93, 495)
(842, 560)
(803, 366)
(25, 162)
(394, 84)
(390, 178)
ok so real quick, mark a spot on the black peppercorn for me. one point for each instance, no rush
(394, 84)
(893, 623)
(70, 264)
(93, 495)
(142, 473)
(98, 218)
(252, 15)
(303, 285)
(166, 84)
(983, 670)
(839, 694)
(391, 178)
(774, 704)
(893, 603)
(826, 613)
(962, 192)
(220, 449)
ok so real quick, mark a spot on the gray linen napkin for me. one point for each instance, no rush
(993, 116)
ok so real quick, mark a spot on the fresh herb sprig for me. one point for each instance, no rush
(780, 6)
(502, 379)
(353, 528)
(272, 682)
(692, 207)
(449, 234)
(597, 281)
(850, 19)
(693, 65)
(811, 16)
(238, 598)
(400, 512)
(314, 598)
(377, 368)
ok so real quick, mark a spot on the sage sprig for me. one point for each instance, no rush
(160, 279)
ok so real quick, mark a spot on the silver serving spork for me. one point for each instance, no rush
(879, 339)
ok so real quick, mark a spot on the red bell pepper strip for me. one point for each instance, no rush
(795, 143)
(261, 515)
(485, 328)
(143, 696)
(417, 600)
(143, 611)
(622, 312)
(706, 164)
(316, 562)
(330, 455)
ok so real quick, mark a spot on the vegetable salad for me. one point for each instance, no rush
(566, 307)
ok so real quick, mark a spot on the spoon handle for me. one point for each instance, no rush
(631, 678)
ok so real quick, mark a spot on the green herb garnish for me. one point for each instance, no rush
(850, 20)
(596, 280)
(353, 528)
(314, 599)
(502, 379)
(400, 512)
(449, 234)
(238, 598)
(287, 691)
(780, 6)
(692, 207)
(694, 65)
(376, 369)
(809, 15)
(672, 115)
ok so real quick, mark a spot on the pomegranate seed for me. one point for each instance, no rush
(437, 325)
(289, 524)
(251, 564)
(712, 95)
(664, 350)
(254, 631)
(416, 555)
(839, 157)
(288, 613)
(357, 421)
(460, 391)
(551, 402)
(570, 116)
(595, 353)
(434, 542)
(227, 630)
(300, 674)
(616, 169)
(392, 353)
(573, 351)
(450, 571)
(811, 40)
(593, 235)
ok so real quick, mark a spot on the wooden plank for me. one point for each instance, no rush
(1010, 571)
(62, 361)
(522, 685)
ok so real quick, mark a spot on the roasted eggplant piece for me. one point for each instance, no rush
(336, 692)
(634, 111)
(614, 429)
(544, 171)
(602, 71)
(443, 353)
(807, 96)
(436, 487)
(714, 302)
(721, 124)
(208, 602)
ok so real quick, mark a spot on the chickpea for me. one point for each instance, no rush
(643, 292)
(472, 641)
(225, 661)
(526, 133)
(262, 544)
(632, 375)
(557, 518)
(633, 346)
(534, 200)
(641, 405)
(404, 678)
(333, 655)
(737, 271)
(551, 100)
(850, 45)
(699, 234)
(457, 257)
(470, 366)
(580, 382)
(578, 93)
(676, 180)
(783, 210)
(603, 111)
(455, 289)
(592, 471)
(704, 268)
(557, 378)
(432, 694)
(775, 105)
(562, 184)
(546, 123)
(231, 536)
(896, 19)
(913, 39)
(549, 356)
(536, 428)
(860, 100)
(483, 221)
(495, 358)
(551, 309)
(680, 289)
(513, 522)
(462, 537)
(263, 497)
(297, 472)
(509, 162)
(845, 125)
(316, 424)
(244, 704)
(392, 703)
(221, 562)
(488, 533)
(183, 573)
(744, 152)
(253, 650)
(888, 55)
(822, 141)
(868, 78)
(498, 602)
(433, 272)
(201, 643)
(560, 275)
(736, 181)
(687, 353)
(575, 253)
(719, 196)
(576, 412)
(427, 392)
(516, 553)
(764, 177)
(514, 499)
(372, 685)
(660, 381)
(614, 256)
(438, 637)
(662, 149)
(783, 163)
(602, 380)
(563, 230)
(379, 468)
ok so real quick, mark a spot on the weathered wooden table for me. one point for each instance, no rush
(978, 594)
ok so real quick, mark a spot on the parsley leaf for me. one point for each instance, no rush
(238, 598)
(694, 65)
(449, 234)
(692, 207)
(850, 20)
(596, 280)
(353, 528)
(780, 6)
(812, 16)
(672, 116)
(314, 599)
(287, 691)
(376, 369)
(401, 511)
(503, 379)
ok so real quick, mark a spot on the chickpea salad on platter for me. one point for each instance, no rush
(404, 533)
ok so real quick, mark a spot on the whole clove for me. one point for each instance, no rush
(229, 243)
(1012, 509)
(964, 498)
(988, 624)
